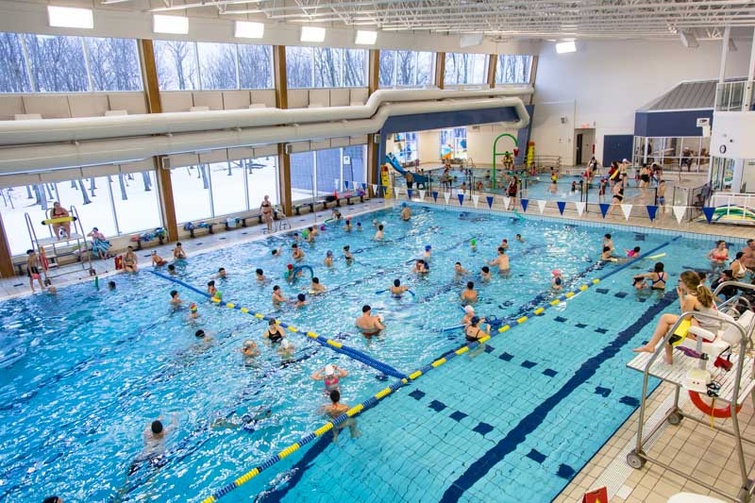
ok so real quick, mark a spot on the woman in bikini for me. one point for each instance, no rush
(267, 213)
(719, 255)
(58, 212)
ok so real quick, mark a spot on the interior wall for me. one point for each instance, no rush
(604, 82)
(429, 146)
(480, 142)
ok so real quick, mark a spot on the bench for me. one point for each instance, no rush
(311, 205)
(192, 227)
(147, 236)
(349, 197)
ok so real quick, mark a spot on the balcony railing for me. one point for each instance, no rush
(730, 96)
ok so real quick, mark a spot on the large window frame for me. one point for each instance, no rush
(406, 69)
(325, 67)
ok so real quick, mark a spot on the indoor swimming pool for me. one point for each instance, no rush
(513, 423)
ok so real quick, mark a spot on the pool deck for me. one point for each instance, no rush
(691, 446)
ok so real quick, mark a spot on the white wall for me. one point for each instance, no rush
(429, 146)
(732, 135)
(480, 142)
(604, 82)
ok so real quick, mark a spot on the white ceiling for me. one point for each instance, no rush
(496, 19)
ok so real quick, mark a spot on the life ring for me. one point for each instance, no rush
(708, 409)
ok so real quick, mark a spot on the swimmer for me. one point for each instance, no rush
(468, 315)
(51, 290)
(606, 256)
(172, 270)
(278, 297)
(286, 350)
(656, 280)
(194, 314)
(633, 253)
(331, 375)
(111, 285)
(246, 421)
(211, 290)
(277, 252)
(427, 255)
(328, 262)
(290, 275)
(557, 283)
(504, 244)
(519, 238)
(296, 253)
(335, 214)
(259, 275)
(502, 261)
(469, 295)
(459, 270)
(473, 333)
(348, 227)
(359, 226)
(316, 287)
(397, 290)
(337, 409)
(273, 333)
(301, 301)
(347, 254)
(379, 235)
(221, 273)
(369, 325)
(485, 273)
(178, 252)
(473, 245)
(420, 267)
(607, 242)
(175, 300)
(309, 235)
(314, 231)
(406, 213)
(201, 334)
(53, 499)
(249, 349)
(154, 436)
(157, 260)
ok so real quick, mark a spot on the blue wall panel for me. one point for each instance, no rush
(617, 147)
(671, 123)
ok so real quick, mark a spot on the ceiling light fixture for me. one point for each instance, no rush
(566, 47)
(366, 37)
(247, 29)
(176, 25)
(70, 17)
(312, 34)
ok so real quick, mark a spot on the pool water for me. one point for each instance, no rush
(515, 422)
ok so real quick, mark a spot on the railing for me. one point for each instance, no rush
(730, 96)
(693, 198)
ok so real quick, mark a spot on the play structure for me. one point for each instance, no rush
(419, 180)
(508, 155)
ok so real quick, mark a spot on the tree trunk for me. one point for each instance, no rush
(28, 193)
(92, 186)
(202, 168)
(84, 192)
(147, 181)
(122, 183)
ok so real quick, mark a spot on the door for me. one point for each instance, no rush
(578, 153)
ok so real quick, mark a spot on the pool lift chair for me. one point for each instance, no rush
(694, 371)
(50, 249)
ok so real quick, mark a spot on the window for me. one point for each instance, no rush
(406, 68)
(191, 192)
(261, 179)
(321, 173)
(229, 194)
(405, 147)
(326, 67)
(113, 64)
(463, 68)
(453, 143)
(513, 69)
(135, 200)
(177, 65)
(255, 66)
(14, 78)
(217, 66)
(57, 64)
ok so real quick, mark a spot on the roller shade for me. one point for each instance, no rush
(64, 175)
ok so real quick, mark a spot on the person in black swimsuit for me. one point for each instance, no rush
(274, 333)
(267, 212)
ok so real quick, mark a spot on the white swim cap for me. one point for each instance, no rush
(469, 309)
(285, 343)
(329, 370)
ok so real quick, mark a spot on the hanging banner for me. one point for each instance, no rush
(475, 200)
(435, 196)
(541, 205)
(446, 196)
(580, 205)
(461, 198)
(626, 209)
(422, 195)
(652, 211)
(561, 206)
(679, 212)
(604, 209)
(708, 211)
(490, 201)
(374, 189)
(525, 202)
(335, 183)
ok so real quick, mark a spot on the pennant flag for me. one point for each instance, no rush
(580, 205)
(525, 202)
(461, 198)
(422, 194)
(475, 200)
(561, 206)
(506, 202)
(435, 195)
(345, 184)
(626, 209)
(604, 209)
(364, 186)
(490, 201)
(679, 212)
(652, 211)
(409, 193)
(446, 196)
(541, 205)
(374, 189)
(708, 211)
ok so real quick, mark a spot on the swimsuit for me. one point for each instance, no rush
(32, 271)
(274, 336)
(661, 279)
(469, 338)
(332, 383)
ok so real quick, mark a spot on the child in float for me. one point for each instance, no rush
(32, 269)
(193, 311)
(157, 260)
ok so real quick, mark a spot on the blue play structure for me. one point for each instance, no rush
(419, 180)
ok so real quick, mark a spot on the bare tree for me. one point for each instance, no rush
(217, 66)
(14, 77)
(57, 63)
(113, 64)
(354, 67)
(255, 66)
(299, 66)
(176, 64)
(387, 65)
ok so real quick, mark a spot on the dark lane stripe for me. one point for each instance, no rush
(479, 468)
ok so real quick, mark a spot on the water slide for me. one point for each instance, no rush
(418, 179)
(91, 141)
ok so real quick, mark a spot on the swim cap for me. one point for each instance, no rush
(469, 309)
(556, 272)
(329, 370)
(428, 247)
(473, 242)
(322, 227)
(290, 266)
(475, 320)
(193, 307)
(199, 333)
(248, 343)
(329, 253)
(403, 205)
(218, 295)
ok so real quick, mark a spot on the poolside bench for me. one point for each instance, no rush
(230, 223)
(192, 227)
(350, 197)
(311, 205)
(145, 237)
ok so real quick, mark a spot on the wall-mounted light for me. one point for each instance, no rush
(566, 46)
(177, 25)
(70, 17)
(247, 29)
(365, 37)
(312, 34)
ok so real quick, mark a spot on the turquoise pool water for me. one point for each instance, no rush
(515, 422)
